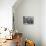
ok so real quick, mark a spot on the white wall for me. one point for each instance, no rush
(43, 22)
(29, 8)
(6, 13)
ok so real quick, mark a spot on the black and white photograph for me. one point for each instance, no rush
(28, 20)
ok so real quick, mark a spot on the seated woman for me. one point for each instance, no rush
(18, 39)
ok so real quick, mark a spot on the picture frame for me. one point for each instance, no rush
(28, 20)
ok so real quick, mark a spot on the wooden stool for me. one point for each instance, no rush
(29, 43)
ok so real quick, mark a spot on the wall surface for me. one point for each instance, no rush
(6, 13)
(43, 22)
(29, 8)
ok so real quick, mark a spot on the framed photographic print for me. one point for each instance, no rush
(28, 20)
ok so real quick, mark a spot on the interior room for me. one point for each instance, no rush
(22, 22)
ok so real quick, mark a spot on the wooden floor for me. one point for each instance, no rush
(9, 43)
